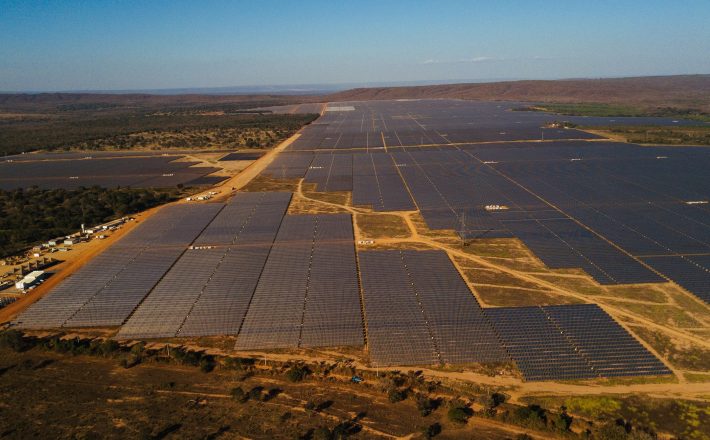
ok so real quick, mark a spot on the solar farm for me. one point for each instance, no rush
(460, 176)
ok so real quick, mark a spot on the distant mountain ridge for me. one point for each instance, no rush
(683, 91)
(688, 91)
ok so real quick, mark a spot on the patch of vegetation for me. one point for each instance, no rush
(150, 130)
(382, 226)
(33, 215)
(663, 313)
(638, 416)
(459, 412)
(616, 110)
(297, 373)
(652, 134)
(683, 356)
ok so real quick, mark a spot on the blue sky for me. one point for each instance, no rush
(113, 45)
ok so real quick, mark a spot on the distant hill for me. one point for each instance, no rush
(92, 101)
(683, 91)
(687, 91)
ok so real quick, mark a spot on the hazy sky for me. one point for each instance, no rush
(84, 45)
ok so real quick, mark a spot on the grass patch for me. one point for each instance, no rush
(697, 377)
(662, 314)
(508, 297)
(680, 418)
(338, 198)
(616, 110)
(265, 183)
(642, 293)
(382, 226)
(683, 356)
(651, 134)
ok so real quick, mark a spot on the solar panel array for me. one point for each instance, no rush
(69, 171)
(208, 289)
(375, 125)
(571, 342)
(307, 294)
(289, 165)
(107, 289)
(419, 311)
(608, 208)
(377, 183)
(331, 172)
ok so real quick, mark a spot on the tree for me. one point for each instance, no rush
(14, 340)
(207, 364)
(425, 405)
(459, 412)
(239, 395)
(297, 373)
(432, 431)
(394, 395)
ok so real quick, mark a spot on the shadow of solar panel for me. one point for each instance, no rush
(610, 350)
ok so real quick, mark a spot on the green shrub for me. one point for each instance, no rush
(207, 364)
(239, 395)
(321, 433)
(107, 347)
(394, 395)
(130, 361)
(297, 373)
(459, 412)
(15, 340)
(425, 405)
(432, 431)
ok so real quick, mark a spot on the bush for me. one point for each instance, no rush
(130, 361)
(459, 412)
(14, 340)
(255, 393)
(426, 405)
(533, 416)
(395, 395)
(321, 433)
(297, 373)
(106, 348)
(432, 431)
(207, 364)
(239, 395)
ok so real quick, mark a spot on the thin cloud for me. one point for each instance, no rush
(486, 59)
